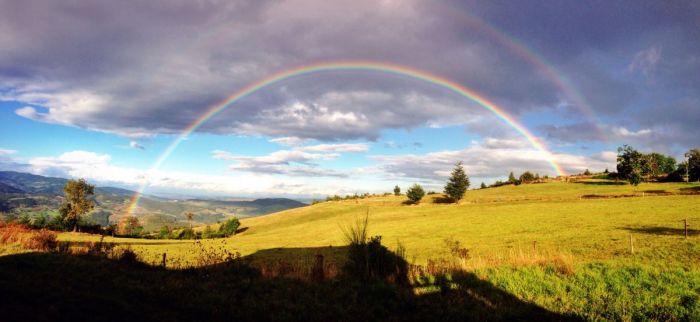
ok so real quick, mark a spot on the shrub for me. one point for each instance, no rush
(527, 177)
(187, 233)
(229, 227)
(397, 191)
(164, 232)
(128, 256)
(415, 193)
(41, 240)
(370, 260)
(12, 233)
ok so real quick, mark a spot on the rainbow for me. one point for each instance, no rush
(369, 66)
(530, 56)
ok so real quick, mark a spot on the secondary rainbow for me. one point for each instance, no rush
(336, 66)
(548, 70)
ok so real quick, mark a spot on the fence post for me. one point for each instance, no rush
(534, 247)
(164, 260)
(317, 273)
(631, 245)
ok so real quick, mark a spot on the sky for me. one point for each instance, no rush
(109, 91)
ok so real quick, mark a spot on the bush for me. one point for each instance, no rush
(186, 233)
(526, 177)
(164, 232)
(229, 227)
(41, 240)
(415, 193)
(369, 260)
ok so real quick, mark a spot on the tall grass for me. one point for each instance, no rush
(357, 233)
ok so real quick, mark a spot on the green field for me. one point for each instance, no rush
(492, 223)
(563, 246)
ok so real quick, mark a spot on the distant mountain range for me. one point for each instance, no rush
(29, 193)
(36, 184)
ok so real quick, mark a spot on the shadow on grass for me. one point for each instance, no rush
(58, 286)
(126, 243)
(241, 230)
(443, 200)
(657, 192)
(603, 183)
(664, 231)
(691, 189)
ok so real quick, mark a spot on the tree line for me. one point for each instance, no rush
(635, 167)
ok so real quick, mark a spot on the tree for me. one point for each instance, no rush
(129, 226)
(397, 191)
(587, 172)
(229, 227)
(77, 201)
(457, 184)
(656, 164)
(693, 164)
(415, 193)
(483, 185)
(527, 177)
(629, 164)
(189, 216)
(164, 232)
(511, 178)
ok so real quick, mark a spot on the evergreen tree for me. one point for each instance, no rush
(415, 193)
(397, 191)
(483, 185)
(511, 178)
(457, 184)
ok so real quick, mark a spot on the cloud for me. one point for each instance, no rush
(136, 145)
(288, 141)
(343, 147)
(98, 87)
(143, 69)
(487, 160)
(294, 163)
(74, 164)
(7, 151)
(98, 168)
(645, 61)
(625, 133)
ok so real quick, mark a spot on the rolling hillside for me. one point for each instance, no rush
(588, 221)
(596, 249)
(29, 193)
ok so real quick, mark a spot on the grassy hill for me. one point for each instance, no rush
(566, 247)
(588, 220)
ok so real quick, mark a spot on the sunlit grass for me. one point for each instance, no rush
(497, 223)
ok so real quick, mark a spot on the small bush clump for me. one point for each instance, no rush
(42, 240)
(415, 193)
(229, 227)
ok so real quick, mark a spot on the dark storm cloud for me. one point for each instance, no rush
(145, 68)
